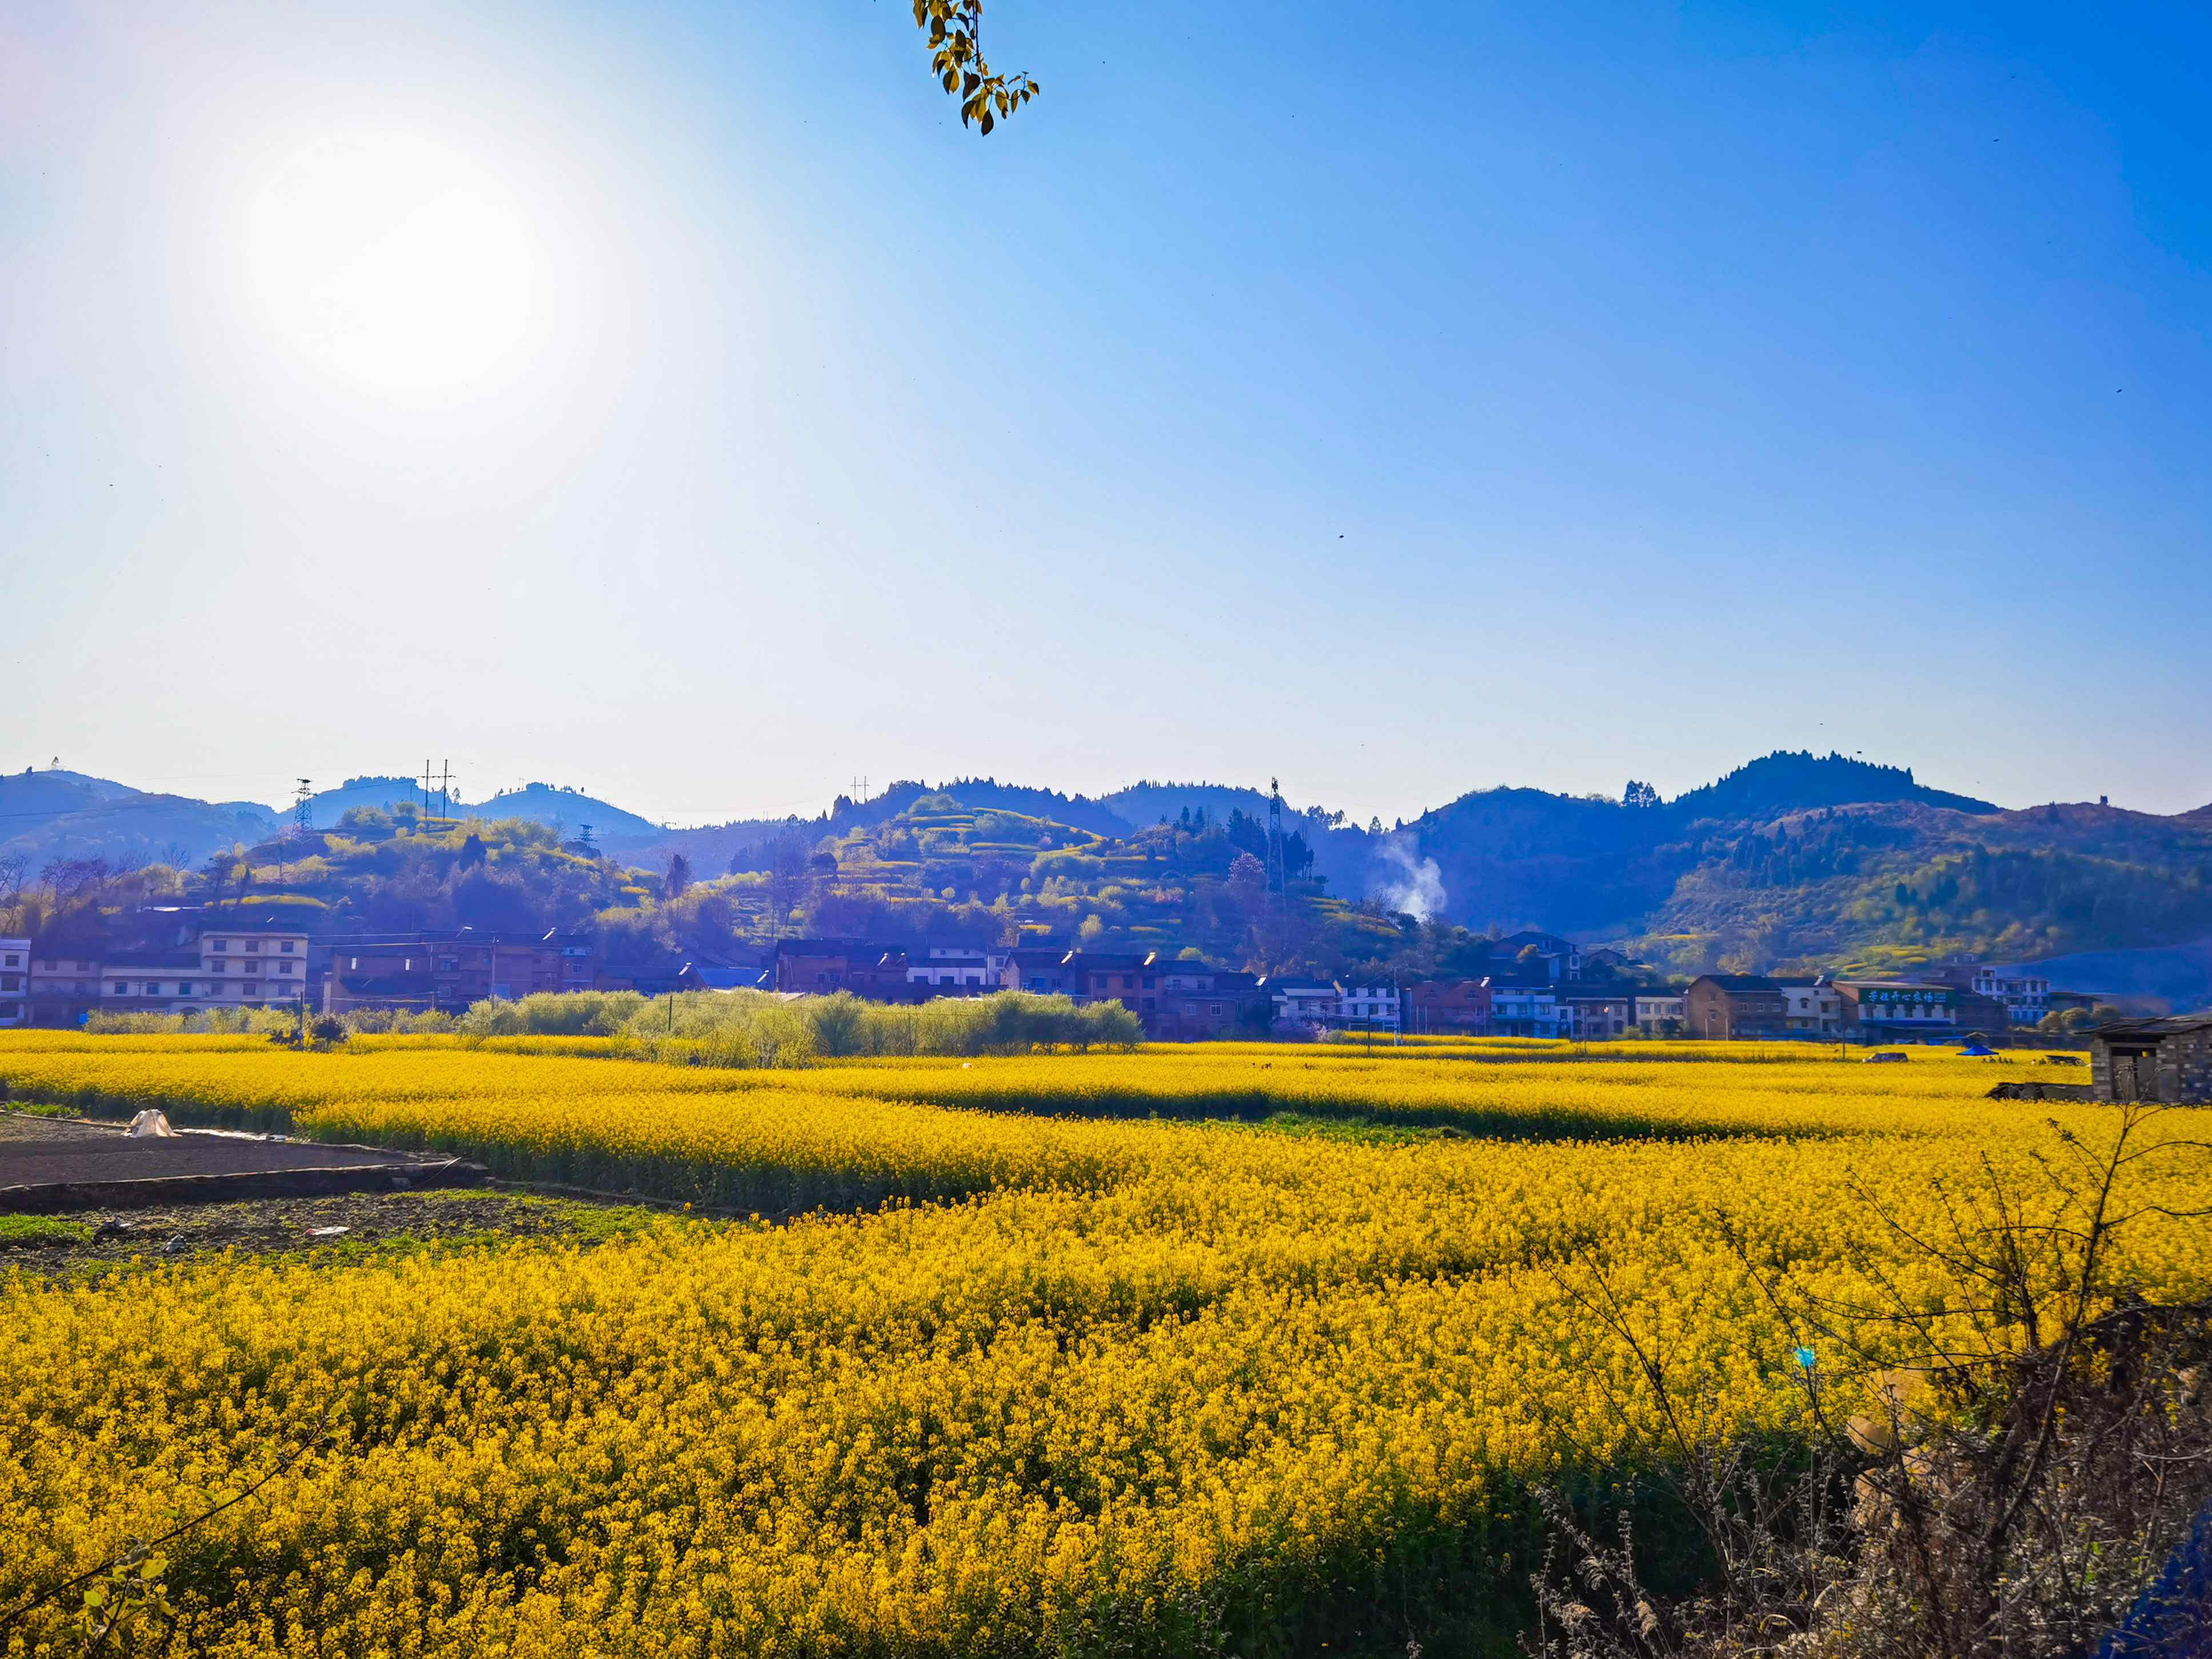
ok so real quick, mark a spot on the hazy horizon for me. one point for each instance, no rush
(282, 802)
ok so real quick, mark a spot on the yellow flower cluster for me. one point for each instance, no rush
(1132, 1386)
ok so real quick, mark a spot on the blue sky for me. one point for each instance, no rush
(1398, 401)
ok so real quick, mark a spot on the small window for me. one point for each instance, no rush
(122, 987)
(253, 945)
(288, 944)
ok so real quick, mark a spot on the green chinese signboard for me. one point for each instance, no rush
(1898, 996)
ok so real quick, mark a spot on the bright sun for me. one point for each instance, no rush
(395, 260)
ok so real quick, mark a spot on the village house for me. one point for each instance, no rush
(152, 983)
(1367, 1008)
(448, 971)
(2167, 1061)
(659, 976)
(1190, 974)
(1441, 1006)
(65, 988)
(2024, 994)
(1593, 1016)
(1813, 1007)
(711, 977)
(380, 973)
(820, 966)
(1303, 1006)
(1042, 970)
(1723, 1006)
(1123, 976)
(248, 965)
(1198, 1004)
(994, 956)
(1661, 1014)
(14, 982)
(1899, 1011)
(945, 973)
(1554, 957)
(1523, 1010)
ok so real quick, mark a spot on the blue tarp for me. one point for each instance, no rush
(2172, 1619)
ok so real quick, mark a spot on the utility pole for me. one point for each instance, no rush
(444, 788)
(426, 788)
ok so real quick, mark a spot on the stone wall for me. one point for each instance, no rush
(2043, 1091)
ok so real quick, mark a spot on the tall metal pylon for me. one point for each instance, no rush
(1279, 898)
(1276, 879)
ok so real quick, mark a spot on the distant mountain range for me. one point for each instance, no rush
(1791, 860)
(44, 816)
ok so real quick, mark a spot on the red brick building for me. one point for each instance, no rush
(1438, 1006)
(1735, 1005)
(819, 966)
(449, 971)
(1199, 1004)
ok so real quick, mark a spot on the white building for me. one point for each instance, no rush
(1526, 1011)
(1596, 1016)
(1656, 1010)
(2026, 994)
(14, 982)
(951, 971)
(994, 958)
(1815, 1008)
(1368, 1007)
(64, 989)
(1332, 1007)
(247, 966)
(153, 985)
(1306, 1005)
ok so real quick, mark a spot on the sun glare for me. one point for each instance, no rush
(395, 260)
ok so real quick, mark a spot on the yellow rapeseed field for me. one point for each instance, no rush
(1041, 1373)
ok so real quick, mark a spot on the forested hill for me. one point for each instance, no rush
(1800, 860)
(1786, 782)
(1792, 860)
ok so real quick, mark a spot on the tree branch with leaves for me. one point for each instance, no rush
(956, 45)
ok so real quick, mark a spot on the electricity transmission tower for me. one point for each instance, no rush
(302, 819)
(1279, 898)
(441, 782)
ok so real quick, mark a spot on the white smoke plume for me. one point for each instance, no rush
(1416, 888)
